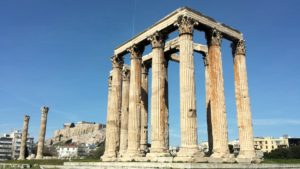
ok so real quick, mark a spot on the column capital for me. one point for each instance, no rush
(157, 39)
(126, 73)
(110, 79)
(136, 51)
(44, 110)
(214, 37)
(117, 61)
(185, 24)
(205, 60)
(26, 118)
(238, 48)
(145, 68)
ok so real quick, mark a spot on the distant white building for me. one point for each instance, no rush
(10, 145)
(68, 151)
(74, 151)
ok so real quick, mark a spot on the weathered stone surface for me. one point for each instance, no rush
(188, 113)
(41, 141)
(144, 109)
(155, 165)
(159, 103)
(244, 118)
(217, 97)
(125, 109)
(113, 119)
(24, 138)
(134, 126)
(81, 132)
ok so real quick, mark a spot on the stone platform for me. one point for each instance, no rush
(152, 165)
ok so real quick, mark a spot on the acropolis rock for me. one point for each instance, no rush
(81, 132)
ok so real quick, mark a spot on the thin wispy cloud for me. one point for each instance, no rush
(275, 122)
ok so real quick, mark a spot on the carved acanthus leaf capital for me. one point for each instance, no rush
(126, 73)
(44, 109)
(185, 24)
(117, 61)
(238, 48)
(145, 68)
(214, 38)
(136, 51)
(157, 40)
(110, 80)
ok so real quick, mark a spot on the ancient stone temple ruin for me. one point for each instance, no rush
(127, 114)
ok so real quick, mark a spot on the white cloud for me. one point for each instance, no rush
(275, 122)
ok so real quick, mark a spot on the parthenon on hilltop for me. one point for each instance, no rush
(127, 114)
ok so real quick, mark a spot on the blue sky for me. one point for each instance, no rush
(56, 53)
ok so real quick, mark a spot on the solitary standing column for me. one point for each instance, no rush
(24, 138)
(159, 98)
(244, 117)
(189, 150)
(134, 123)
(208, 102)
(218, 111)
(113, 117)
(40, 148)
(125, 108)
(144, 109)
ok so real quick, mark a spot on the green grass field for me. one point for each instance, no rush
(282, 161)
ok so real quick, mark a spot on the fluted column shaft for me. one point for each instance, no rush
(134, 123)
(208, 103)
(24, 138)
(188, 113)
(244, 117)
(108, 116)
(113, 117)
(159, 109)
(218, 110)
(125, 109)
(144, 108)
(41, 141)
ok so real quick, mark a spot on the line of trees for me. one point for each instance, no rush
(284, 153)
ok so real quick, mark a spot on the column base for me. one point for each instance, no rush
(39, 157)
(132, 156)
(110, 156)
(247, 157)
(221, 158)
(190, 154)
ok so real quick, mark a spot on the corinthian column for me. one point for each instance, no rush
(144, 109)
(208, 102)
(24, 138)
(244, 117)
(159, 103)
(108, 108)
(113, 116)
(134, 123)
(217, 98)
(189, 150)
(40, 148)
(125, 108)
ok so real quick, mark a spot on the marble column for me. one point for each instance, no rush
(24, 138)
(134, 123)
(41, 141)
(208, 102)
(144, 109)
(244, 117)
(108, 109)
(189, 150)
(217, 98)
(125, 109)
(159, 109)
(113, 119)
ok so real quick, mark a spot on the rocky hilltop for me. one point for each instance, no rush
(81, 132)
